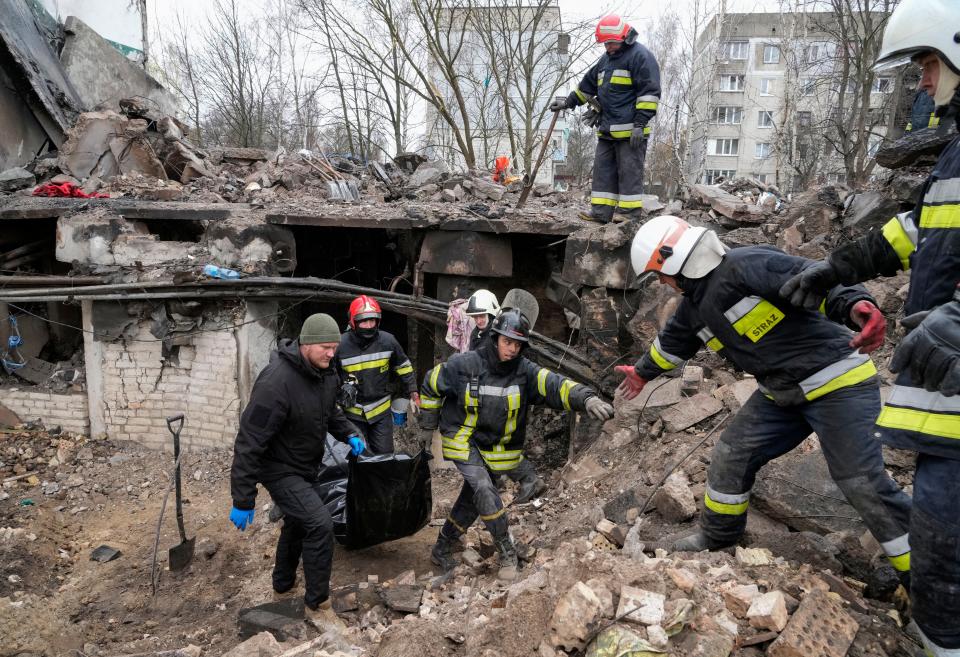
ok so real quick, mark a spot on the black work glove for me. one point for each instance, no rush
(932, 350)
(590, 118)
(809, 288)
(347, 396)
(560, 104)
(637, 137)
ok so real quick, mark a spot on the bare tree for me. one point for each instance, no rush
(178, 71)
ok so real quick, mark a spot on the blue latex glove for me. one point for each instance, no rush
(356, 445)
(241, 518)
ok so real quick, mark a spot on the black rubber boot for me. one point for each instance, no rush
(442, 553)
(530, 490)
(509, 563)
(697, 542)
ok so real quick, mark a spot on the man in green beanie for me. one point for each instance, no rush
(280, 445)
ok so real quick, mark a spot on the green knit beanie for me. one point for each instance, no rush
(319, 328)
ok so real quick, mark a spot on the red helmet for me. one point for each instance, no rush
(612, 28)
(364, 307)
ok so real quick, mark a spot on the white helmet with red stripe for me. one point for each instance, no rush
(671, 246)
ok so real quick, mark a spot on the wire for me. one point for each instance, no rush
(198, 331)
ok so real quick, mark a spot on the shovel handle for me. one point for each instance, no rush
(174, 419)
(177, 420)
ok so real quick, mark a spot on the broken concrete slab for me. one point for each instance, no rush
(616, 509)
(906, 186)
(652, 401)
(674, 500)
(797, 489)
(728, 205)
(467, 253)
(404, 598)
(600, 257)
(735, 395)
(739, 597)
(690, 411)
(102, 75)
(820, 626)
(283, 619)
(86, 152)
(36, 371)
(259, 645)
(870, 209)
(8, 418)
(16, 178)
(576, 616)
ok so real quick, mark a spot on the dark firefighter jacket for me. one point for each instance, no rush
(477, 400)
(925, 241)
(476, 336)
(627, 86)
(374, 362)
(797, 355)
(285, 424)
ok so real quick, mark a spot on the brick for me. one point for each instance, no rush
(768, 612)
(739, 598)
(820, 626)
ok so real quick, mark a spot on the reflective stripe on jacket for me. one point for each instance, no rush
(374, 364)
(925, 241)
(476, 401)
(797, 355)
(627, 86)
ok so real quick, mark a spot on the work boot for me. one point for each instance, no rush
(530, 490)
(586, 216)
(442, 553)
(509, 563)
(696, 542)
(286, 594)
(323, 617)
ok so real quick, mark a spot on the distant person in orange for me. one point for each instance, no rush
(500, 168)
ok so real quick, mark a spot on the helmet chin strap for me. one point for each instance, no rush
(948, 111)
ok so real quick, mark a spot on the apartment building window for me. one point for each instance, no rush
(807, 87)
(771, 55)
(763, 151)
(734, 50)
(723, 147)
(765, 119)
(764, 178)
(713, 176)
(882, 85)
(837, 178)
(804, 119)
(731, 83)
(815, 52)
(873, 145)
(728, 115)
(766, 86)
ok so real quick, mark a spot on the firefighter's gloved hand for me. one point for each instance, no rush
(599, 409)
(590, 118)
(241, 517)
(873, 327)
(932, 351)
(809, 288)
(356, 445)
(632, 383)
(347, 396)
(415, 403)
(637, 136)
(560, 104)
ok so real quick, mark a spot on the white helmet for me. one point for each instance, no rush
(483, 302)
(919, 26)
(671, 246)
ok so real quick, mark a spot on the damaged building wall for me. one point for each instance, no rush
(141, 389)
(68, 410)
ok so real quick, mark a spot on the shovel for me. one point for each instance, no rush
(180, 555)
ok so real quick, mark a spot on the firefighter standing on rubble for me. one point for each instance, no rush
(811, 373)
(280, 444)
(626, 83)
(368, 358)
(480, 400)
(922, 411)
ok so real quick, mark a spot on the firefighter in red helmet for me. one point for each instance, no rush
(373, 357)
(626, 83)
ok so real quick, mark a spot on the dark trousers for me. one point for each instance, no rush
(935, 540)
(843, 420)
(478, 498)
(307, 532)
(617, 179)
(378, 434)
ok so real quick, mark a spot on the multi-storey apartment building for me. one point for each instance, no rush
(768, 103)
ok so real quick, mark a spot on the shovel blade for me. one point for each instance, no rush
(181, 555)
(333, 191)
